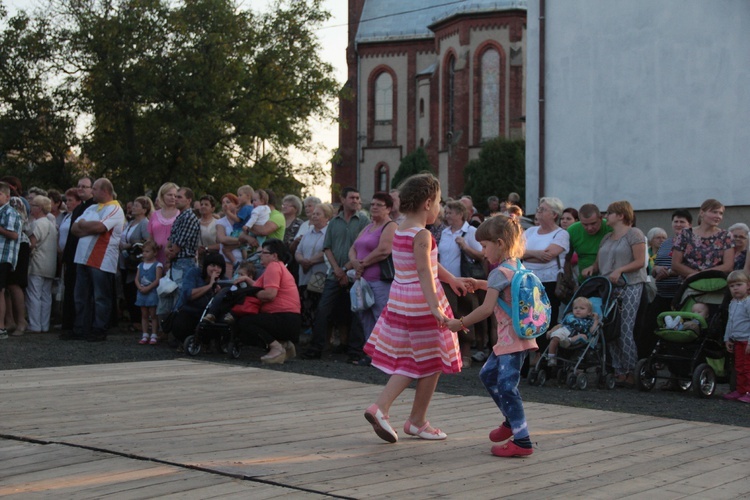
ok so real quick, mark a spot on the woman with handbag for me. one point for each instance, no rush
(135, 232)
(312, 265)
(460, 253)
(373, 245)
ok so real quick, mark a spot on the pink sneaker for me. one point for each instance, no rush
(744, 398)
(733, 395)
(511, 449)
(502, 433)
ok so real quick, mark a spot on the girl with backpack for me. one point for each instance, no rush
(501, 238)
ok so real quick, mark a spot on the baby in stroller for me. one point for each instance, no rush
(230, 296)
(678, 322)
(574, 329)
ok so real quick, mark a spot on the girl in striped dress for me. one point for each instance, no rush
(410, 340)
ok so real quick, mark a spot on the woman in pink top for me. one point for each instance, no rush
(160, 223)
(373, 245)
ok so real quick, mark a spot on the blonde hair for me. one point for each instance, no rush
(163, 190)
(44, 203)
(246, 189)
(326, 208)
(262, 196)
(737, 276)
(507, 230)
(585, 301)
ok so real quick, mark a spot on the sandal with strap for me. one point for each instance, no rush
(433, 434)
(380, 424)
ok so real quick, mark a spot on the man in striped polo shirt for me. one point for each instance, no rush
(98, 229)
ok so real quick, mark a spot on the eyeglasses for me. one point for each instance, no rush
(379, 205)
(541, 210)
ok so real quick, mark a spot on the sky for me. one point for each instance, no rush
(333, 40)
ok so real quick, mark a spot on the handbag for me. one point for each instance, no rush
(387, 271)
(167, 322)
(650, 289)
(317, 282)
(566, 284)
(166, 285)
(361, 296)
(471, 268)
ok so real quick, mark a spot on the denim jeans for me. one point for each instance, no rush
(93, 298)
(501, 375)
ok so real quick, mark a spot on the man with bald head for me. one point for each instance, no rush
(98, 229)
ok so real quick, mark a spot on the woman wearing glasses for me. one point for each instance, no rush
(373, 245)
(277, 324)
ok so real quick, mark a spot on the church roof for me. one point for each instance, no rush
(384, 20)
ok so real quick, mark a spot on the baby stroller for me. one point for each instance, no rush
(693, 358)
(577, 361)
(219, 331)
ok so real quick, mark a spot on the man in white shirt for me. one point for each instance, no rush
(98, 229)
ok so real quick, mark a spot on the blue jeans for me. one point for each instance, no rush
(93, 316)
(501, 375)
(380, 290)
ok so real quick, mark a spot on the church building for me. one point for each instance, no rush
(442, 75)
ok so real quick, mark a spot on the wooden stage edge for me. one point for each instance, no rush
(195, 429)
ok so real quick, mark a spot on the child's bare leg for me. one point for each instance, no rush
(154, 320)
(144, 319)
(395, 386)
(425, 389)
(553, 344)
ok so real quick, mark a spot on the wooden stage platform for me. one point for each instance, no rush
(194, 429)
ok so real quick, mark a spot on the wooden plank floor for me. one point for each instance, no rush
(193, 429)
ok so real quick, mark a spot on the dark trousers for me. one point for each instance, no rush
(264, 328)
(69, 302)
(93, 297)
(130, 293)
(334, 295)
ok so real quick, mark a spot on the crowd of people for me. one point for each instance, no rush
(68, 257)
(376, 285)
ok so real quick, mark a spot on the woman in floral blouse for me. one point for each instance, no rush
(706, 246)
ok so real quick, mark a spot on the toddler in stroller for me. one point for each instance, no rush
(575, 328)
(232, 292)
(582, 347)
(689, 352)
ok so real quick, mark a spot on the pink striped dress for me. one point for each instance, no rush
(406, 339)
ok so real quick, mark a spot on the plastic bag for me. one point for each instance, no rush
(361, 295)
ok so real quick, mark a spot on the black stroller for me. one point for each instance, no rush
(576, 362)
(219, 331)
(693, 358)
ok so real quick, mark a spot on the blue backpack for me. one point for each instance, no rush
(530, 311)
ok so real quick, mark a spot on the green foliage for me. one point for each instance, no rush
(411, 164)
(199, 92)
(36, 123)
(499, 170)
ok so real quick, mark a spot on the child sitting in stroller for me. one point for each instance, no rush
(679, 323)
(227, 297)
(575, 328)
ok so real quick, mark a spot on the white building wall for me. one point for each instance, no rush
(646, 101)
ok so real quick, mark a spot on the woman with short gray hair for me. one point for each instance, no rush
(739, 234)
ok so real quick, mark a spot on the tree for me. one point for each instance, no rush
(411, 164)
(499, 170)
(198, 92)
(36, 122)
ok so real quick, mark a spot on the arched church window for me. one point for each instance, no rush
(384, 98)
(490, 94)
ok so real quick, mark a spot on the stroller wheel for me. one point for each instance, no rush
(192, 346)
(704, 381)
(609, 381)
(233, 348)
(645, 375)
(582, 381)
(571, 380)
(533, 376)
(541, 378)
